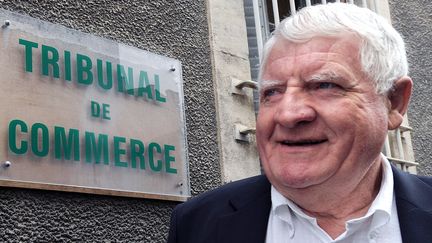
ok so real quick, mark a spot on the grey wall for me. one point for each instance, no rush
(173, 28)
(414, 20)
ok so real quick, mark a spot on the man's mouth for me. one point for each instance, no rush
(307, 142)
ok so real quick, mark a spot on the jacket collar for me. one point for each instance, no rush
(414, 206)
(251, 210)
(249, 217)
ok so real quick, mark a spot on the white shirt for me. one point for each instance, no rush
(289, 224)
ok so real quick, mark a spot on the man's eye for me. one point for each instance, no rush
(326, 85)
(269, 92)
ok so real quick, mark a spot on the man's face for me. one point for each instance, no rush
(320, 119)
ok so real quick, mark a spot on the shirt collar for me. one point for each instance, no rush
(281, 211)
(381, 206)
(380, 209)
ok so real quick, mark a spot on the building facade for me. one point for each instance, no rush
(212, 40)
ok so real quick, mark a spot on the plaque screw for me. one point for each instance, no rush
(7, 163)
(172, 69)
(6, 23)
(180, 184)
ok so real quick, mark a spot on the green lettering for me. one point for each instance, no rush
(108, 84)
(106, 111)
(84, 66)
(151, 148)
(144, 85)
(95, 108)
(95, 150)
(137, 151)
(22, 149)
(119, 151)
(123, 81)
(169, 159)
(39, 140)
(61, 143)
(48, 51)
(157, 89)
(67, 66)
(28, 53)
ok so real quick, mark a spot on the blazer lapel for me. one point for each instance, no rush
(248, 221)
(414, 206)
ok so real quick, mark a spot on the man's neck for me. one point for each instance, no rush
(333, 208)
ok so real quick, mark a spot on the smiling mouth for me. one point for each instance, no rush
(303, 143)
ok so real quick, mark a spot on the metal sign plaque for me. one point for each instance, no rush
(86, 114)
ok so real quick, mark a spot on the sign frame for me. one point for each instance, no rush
(169, 155)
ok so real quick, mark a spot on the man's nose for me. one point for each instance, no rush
(294, 109)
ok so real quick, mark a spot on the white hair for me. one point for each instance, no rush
(382, 50)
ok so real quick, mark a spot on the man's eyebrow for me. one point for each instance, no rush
(263, 84)
(325, 76)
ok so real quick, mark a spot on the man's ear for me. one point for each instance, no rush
(399, 97)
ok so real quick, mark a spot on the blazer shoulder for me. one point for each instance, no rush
(413, 188)
(414, 205)
(426, 179)
(236, 204)
(239, 192)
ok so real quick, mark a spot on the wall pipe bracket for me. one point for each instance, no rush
(237, 86)
(242, 133)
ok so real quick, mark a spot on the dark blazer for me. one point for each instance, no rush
(238, 212)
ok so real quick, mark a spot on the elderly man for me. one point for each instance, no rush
(333, 81)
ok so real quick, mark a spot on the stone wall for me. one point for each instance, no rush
(413, 19)
(177, 29)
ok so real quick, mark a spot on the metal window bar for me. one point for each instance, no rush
(387, 150)
(399, 144)
(276, 11)
(292, 6)
(258, 27)
(308, 3)
(364, 3)
(397, 149)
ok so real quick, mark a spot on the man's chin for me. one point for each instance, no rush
(296, 182)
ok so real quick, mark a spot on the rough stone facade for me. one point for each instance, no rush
(414, 21)
(173, 28)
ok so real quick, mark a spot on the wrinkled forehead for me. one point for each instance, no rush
(346, 45)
